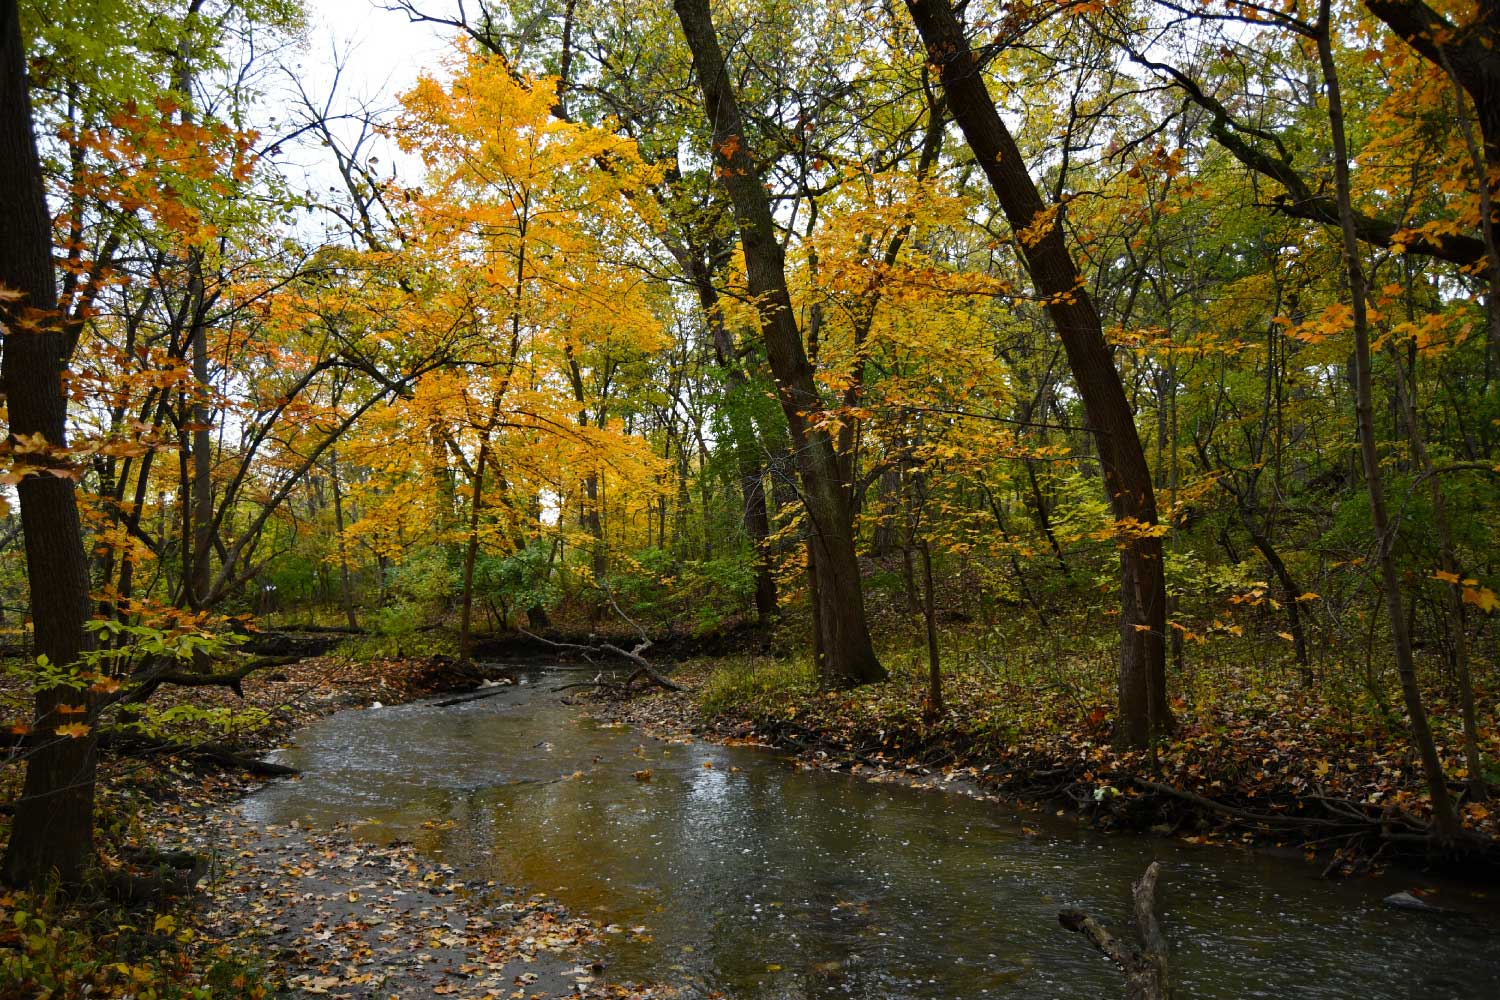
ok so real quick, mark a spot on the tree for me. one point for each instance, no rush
(1444, 818)
(846, 656)
(53, 828)
(1143, 708)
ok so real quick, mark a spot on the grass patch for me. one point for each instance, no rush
(752, 685)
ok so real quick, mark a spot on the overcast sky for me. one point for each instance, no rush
(382, 50)
(381, 53)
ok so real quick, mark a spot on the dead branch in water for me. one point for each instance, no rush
(643, 669)
(1145, 968)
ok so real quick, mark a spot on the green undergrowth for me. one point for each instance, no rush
(86, 941)
(55, 947)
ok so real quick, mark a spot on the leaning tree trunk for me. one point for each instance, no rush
(1143, 705)
(53, 828)
(847, 655)
(1443, 815)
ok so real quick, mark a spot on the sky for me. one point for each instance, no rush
(371, 55)
(382, 50)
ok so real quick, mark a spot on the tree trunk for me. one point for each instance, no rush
(347, 588)
(1453, 590)
(1143, 708)
(848, 655)
(1289, 594)
(1443, 814)
(934, 707)
(752, 474)
(52, 832)
(199, 541)
(471, 552)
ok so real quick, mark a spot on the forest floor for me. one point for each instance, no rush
(283, 910)
(1254, 759)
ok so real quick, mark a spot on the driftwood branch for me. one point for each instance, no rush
(643, 666)
(1145, 968)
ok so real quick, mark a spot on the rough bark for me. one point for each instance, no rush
(53, 828)
(1143, 708)
(847, 656)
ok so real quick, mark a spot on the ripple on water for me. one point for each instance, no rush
(772, 882)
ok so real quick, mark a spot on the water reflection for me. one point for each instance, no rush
(766, 882)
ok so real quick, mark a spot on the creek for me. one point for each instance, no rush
(732, 869)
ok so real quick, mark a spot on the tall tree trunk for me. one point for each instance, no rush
(347, 588)
(52, 832)
(471, 552)
(1143, 707)
(1453, 589)
(848, 657)
(202, 448)
(934, 707)
(200, 543)
(933, 710)
(1444, 817)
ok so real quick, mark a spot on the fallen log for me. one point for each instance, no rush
(148, 681)
(466, 698)
(214, 753)
(1145, 967)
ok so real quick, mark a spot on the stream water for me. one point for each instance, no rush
(763, 880)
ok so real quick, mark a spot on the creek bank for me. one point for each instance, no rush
(1245, 785)
(298, 911)
(338, 916)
